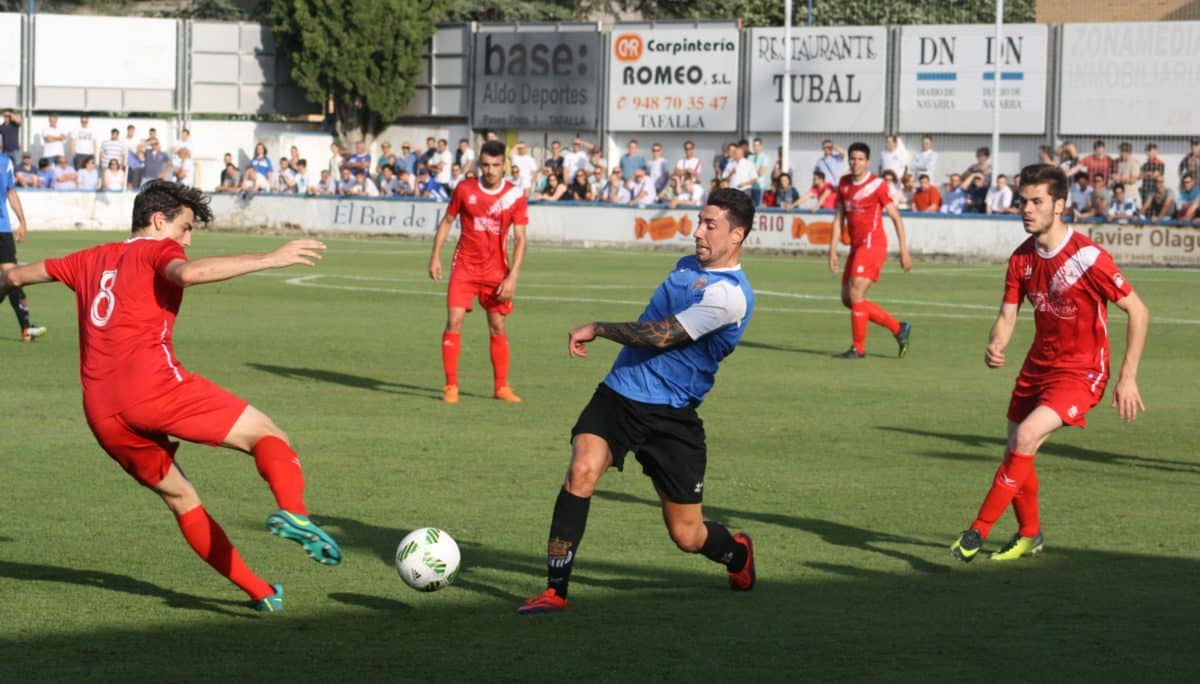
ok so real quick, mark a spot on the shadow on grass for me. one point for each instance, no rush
(1052, 448)
(750, 344)
(355, 381)
(121, 583)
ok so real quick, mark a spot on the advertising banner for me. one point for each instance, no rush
(10, 56)
(838, 79)
(946, 78)
(537, 79)
(1137, 78)
(673, 78)
(145, 59)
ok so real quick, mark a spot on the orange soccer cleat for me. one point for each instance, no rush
(546, 602)
(506, 393)
(743, 580)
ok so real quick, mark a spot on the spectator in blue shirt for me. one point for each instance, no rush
(45, 174)
(632, 161)
(954, 200)
(262, 163)
(406, 160)
(360, 160)
(429, 187)
(831, 161)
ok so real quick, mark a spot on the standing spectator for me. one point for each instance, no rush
(385, 151)
(261, 163)
(65, 176)
(112, 149)
(555, 158)
(575, 159)
(1079, 197)
(10, 134)
(690, 164)
(895, 157)
(1161, 204)
(762, 168)
(999, 198)
(976, 188)
(631, 161)
(831, 161)
(407, 160)
(183, 169)
(336, 160)
(580, 190)
(1068, 160)
(26, 174)
(157, 164)
(1190, 164)
(642, 192)
(83, 142)
(465, 157)
(1127, 170)
(982, 166)
(114, 177)
(787, 197)
(441, 165)
(1152, 170)
(184, 142)
(1046, 155)
(521, 159)
(430, 150)
(294, 156)
(52, 141)
(1188, 202)
(954, 201)
(359, 161)
(302, 176)
(88, 178)
(1099, 164)
(134, 155)
(456, 176)
(45, 174)
(657, 167)
(740, 172)
(229, 179)
(721, 160)
(597, 160)
(927, 197)
(925, 161)
(1122, 209)
(908, 187)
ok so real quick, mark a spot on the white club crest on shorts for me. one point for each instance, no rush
(1073, 411)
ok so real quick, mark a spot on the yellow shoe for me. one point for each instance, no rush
(1020, 546)
(450, 394)
(506, 393)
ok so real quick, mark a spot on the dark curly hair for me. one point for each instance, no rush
(737, 205)
(169, 198)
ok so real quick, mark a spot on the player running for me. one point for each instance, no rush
(488, 207)
(136, 394)
(1068, 281)
(647, 404)
(8, 248)
(862, 199)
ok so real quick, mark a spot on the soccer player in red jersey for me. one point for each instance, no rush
(488, 208)
(1068, 281)
(136, 394)
(862, 199)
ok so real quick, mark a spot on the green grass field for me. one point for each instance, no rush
(853, 477)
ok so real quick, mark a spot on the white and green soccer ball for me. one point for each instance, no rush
(427, 559)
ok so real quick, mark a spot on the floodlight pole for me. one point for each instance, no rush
(786, 141)
(996, 87)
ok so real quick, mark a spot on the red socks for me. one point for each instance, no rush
(209, 542)
(280, 467)
(863, 312)
(451, 344)
(1011, 477)
(1025, 504)
(499, 350)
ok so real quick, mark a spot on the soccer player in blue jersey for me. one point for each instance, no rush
(647, 404)
(8, 247)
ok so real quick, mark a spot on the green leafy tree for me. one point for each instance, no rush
(360, 58)
(836, 12)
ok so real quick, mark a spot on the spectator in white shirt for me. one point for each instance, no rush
(388, 182)
(575, 159)
(925, 161)
(615, 191)
(185, 141)
(184, 168)
(895, 157)
(52, 141)
(999, 198)
(112, 148)
(740, 172)
(456, 176)
(326, 185)
(690, 164)
(253, 181)
(441, 162)
(643, 191)
(285, 178)
(520, 179)
(83, 142)
(1122, 209)
(691, 193)
(466, 156)
(88, 177)
(522, 160)
(1080, 195)
(657, 166)
(113, 177)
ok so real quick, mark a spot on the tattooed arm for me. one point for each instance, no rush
(657, 334)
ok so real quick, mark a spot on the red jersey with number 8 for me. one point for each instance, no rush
(486, 217)
(126, 309)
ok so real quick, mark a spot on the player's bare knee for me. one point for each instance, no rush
(688, 536)
(582, 478)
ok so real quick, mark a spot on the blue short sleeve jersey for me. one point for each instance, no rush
(714, 307)
(7, 182)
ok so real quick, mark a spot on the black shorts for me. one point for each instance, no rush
(667, 441)
(8, 246)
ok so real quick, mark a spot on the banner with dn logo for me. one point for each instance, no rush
(673, 77)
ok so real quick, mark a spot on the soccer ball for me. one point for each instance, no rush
(427, 559)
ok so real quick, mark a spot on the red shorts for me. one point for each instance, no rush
(463, 291)
(864, 262)
(196, 410)
(1070, 397)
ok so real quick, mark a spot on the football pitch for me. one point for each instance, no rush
(852, 476)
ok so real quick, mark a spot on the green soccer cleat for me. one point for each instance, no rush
(902, 337)
(272, 603)
(967, 545)
(1020, 546)
(298, 528)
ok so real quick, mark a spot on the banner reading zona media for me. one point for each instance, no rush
(673, 78)
(839, 77)
(537, 79)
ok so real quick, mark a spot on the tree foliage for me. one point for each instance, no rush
(363, 58)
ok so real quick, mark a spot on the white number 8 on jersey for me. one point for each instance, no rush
(105, 301)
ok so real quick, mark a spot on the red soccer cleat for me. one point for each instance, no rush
(546, 602)
(743, 580)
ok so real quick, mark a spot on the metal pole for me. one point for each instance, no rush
(996, 87)
(786, 141)
(810, 13)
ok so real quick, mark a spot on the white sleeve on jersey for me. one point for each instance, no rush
(723, 303)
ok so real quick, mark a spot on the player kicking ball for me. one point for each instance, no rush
(488, 207)
(647, 404)
(136, 394)
(1068, 281)
(862, 200)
